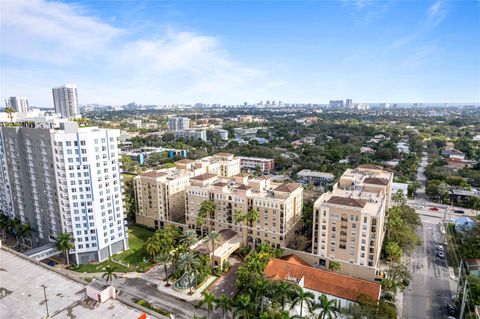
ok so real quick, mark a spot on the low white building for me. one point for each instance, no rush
(343, 289)
(191, 134)
(307, 176)
(403, 187)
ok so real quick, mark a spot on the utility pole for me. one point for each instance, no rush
(46, 300)
(462, 308)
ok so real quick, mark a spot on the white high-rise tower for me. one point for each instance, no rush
(65, 100)
(20, 104)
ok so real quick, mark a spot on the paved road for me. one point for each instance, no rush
(430, 283)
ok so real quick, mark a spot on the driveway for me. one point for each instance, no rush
(226, 284)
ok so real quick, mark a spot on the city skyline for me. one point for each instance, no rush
(185, 52)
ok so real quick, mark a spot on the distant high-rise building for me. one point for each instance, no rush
(65, 100)
(336, 103)
(178, 123)
(20, 104)
(348, 103)
(65, 180)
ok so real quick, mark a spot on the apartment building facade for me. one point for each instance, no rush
(178, 123)
(160, 197)
(266, 165)
(67, 180)
(279, 206)
(348, 223)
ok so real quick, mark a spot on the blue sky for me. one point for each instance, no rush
(159, 52)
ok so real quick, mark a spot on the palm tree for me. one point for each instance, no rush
(200, 222)
(334, 266)
(207, 209)
(225, 303)
(65, 243)
(10, 110)
(27, 231)
(261, 289)
(213, 238)
(239, 217)
(165, 259)
(189, 263)
(251, 217)
(283, 292)
(109, 273)
(16, 227)
(301, 297)
(243, 307)
(152, 246)
(328, 308)
(188, 238)
(4, 224)
(209, 300)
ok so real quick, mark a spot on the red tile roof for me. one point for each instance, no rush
(376, 181)
(322, 281)
(154, 174)
(287, 187)
(294, 259)
(204, 177)
(347, 201)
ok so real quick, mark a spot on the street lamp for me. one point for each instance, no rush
(46, 300)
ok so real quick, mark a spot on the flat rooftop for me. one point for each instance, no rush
(21, 294)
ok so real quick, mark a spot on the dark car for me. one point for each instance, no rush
(452, 311)
(435, 209)
(459, 211)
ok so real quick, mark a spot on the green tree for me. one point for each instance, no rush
(190, 264)
(251, 217)
(4, 224)
(393, 251)
(240, 218)
(302, 297)
(65, 244)
(328, 308)
(152, 246)
(210, 301)
(109, 273)
(334, 266)
(243, 307)
(165, 259)
(188, 238)
(213, 239)
(283, 292)
(10, 110)
(207, 210)
(225, 304)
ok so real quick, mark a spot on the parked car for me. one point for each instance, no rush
(452, 311)
(459, 211)
(440, 254)
(435, 209)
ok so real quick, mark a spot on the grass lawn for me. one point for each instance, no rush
(133, 256)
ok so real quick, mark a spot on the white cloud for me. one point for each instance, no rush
(436, 13)
(112, 65)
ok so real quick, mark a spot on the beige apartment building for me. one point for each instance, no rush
(221, 164)
(160, 197)
(279, 206)
(348, 223)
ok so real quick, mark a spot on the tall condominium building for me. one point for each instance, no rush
(65, 100)
(178, 123)
(160, 196)
(335, 103)
(67, 180)
(20, 104)
(349, 103)
(279, 206)
(348, 222)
